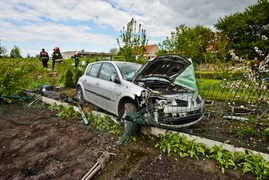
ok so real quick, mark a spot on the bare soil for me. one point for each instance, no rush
(36, 144)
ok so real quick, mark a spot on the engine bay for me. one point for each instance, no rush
(163, 87)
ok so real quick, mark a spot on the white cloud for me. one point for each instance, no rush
(96, 23)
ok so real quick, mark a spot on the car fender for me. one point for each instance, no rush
(131, 90)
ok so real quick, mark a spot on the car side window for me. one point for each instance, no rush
(88, 70)
(107, 70)
(94, 70)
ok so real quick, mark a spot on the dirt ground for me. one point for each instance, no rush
(48, 147)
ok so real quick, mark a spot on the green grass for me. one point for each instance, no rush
(207, 82)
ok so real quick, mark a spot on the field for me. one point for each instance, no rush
(38, 144)
(48, 147)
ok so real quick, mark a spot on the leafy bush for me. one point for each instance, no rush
(255, 164)
(250, 162)
(78, 74)
(106, 124)
(173, 143)
(214, 75)
(68, 112)
(54, 107)
(11, 76)
(68, 79)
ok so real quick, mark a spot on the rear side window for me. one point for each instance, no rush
(94, 70)
(88, 70)
(107, 71)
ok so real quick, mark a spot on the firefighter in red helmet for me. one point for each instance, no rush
(56, 56)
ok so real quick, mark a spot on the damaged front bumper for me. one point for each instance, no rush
(167, 114)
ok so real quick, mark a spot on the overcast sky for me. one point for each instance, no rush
(94, 25)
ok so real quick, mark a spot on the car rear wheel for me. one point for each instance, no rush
(130, 109)
(79, 94)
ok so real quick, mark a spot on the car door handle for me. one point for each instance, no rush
(97, 84)
(85, 80)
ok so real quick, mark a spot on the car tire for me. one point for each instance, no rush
(79, 94)
(130, 109)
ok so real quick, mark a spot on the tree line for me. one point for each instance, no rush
(14, 53)
(239, 32)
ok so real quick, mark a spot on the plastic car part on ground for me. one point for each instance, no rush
(49, 91)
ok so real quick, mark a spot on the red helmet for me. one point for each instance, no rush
(57, 48)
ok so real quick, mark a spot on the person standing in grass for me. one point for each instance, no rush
(44, 57)
(56, 56)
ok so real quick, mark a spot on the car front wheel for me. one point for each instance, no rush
(129, 110)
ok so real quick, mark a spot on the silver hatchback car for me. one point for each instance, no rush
(124, 88)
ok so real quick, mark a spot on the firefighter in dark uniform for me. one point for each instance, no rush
(44, 57)
(56, 56)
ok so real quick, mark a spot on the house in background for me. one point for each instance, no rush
(70, 54)
(151, 51)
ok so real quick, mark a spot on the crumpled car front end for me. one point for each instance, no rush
(173, 111)
(166, 101)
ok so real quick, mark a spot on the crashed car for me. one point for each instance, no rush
(124, 88)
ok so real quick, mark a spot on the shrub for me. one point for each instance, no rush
(68, 79)
(78, 74)
(11, 76)
(214, 75)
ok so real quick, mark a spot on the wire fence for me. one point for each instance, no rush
(235, 112)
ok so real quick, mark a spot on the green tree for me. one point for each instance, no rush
(245, 29)
(218, 55)
(167, 45)
(15, 52)
(113, 51)
(3, 50)
(134, 42)
(189, 42)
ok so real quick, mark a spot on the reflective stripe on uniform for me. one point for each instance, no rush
(44, 58)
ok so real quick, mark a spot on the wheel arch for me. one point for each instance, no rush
(127, 100)
(77, 87)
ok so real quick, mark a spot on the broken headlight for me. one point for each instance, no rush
(144, 94)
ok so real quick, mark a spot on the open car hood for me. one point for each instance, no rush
(168, 66)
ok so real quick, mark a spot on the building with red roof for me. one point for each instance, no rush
(151, 51)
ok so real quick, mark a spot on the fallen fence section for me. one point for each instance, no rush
(150, 130)
(64, 104)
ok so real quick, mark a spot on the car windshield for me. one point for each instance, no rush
(128, 70)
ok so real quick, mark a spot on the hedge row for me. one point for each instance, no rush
(219, 75)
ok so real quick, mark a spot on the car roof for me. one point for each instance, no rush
(113, 62)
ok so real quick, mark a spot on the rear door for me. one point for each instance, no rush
(90, 82)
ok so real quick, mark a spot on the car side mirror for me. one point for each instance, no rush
(115, 79)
